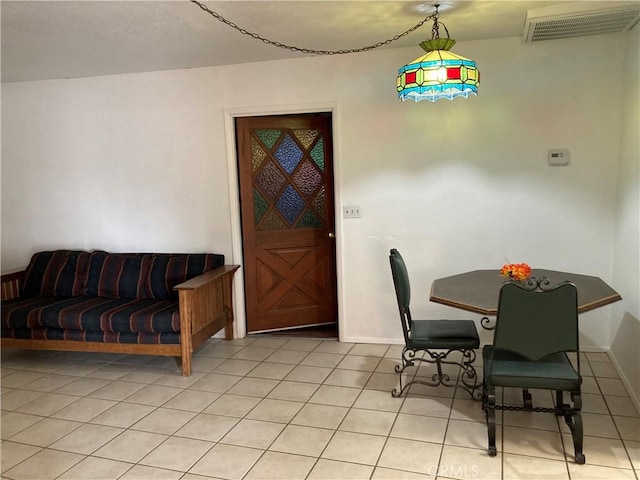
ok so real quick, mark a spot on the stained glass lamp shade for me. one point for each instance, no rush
(438, 74)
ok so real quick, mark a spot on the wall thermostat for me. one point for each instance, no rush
(558, 157)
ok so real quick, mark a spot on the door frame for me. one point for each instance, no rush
(240, 323)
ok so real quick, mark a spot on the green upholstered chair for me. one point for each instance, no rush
(433, 341)
(536, 326)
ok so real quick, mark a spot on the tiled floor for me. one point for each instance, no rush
(288, 408)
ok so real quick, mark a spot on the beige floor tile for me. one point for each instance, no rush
(254, 353)
(273, 371)
(537, 420)
(84, 409)
(535, 443)
(322, 416)
(17, 398)
(410, 455)
(381, 473)
(123, 415)
(47, 404)
(144, 375)
(622, 406)
(386, 364)
(325, 469)
(612, 386)
(376, 381)
(280, 466)
(519, 467)
(597, 357)
(431, 406)
(232, 405)
(81, 369)
(175, 379)
(112, 371)
(590, 385)
(319, 359)
(87, 439)
(44, 465)
(308, 374)
(334, 395)
(466, 463)
(606, 452)
(20, 378)
(203, 365)
(155, 395)
(236, 367)
(271, 410)
(177, 453)
(220, 350)
(48, 383)
(594, 425)
(467, 409)
(142, 472)
(603, 369)
(429, 391)
(216, 382)
(207, 427)
(116, 390)
(227, 461)
(253, 433)
(594, 404)
(471, 435)
(365, 364)
(300, 440)
(633, 450)
(164, 420)
(419, 427)
(192, 400)
(45, 432)
(294, 391)
(92, 468)
(253, 387)
(378, 400)
(302, 345)
(369, 350)
(14, 422)
(130, 446)
(368, 421)
(333, 346)
(14, 453)
(595, 472)
(354, 448)
(269, 342)
(628, 427)
(289, 357)
(82, 386)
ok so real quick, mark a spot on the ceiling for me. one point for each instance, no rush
(67, 39)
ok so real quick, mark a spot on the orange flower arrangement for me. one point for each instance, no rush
(515, 271)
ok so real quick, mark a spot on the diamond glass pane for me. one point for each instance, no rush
(270, 180)
(257, 154)
(268, 137)
(290, 204)
(309, 220)
(307, 178)
(320, 203)
(272, 221)
(260, 206)
(318, 154)
(288, 154)
(306, 137)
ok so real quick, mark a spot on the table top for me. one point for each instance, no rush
(478, 291)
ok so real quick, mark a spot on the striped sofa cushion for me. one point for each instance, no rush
(92, 314)
(169, 270)
(166, 338)
(59, 273)
(118, 275)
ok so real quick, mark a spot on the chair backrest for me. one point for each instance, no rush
(537, 323)
(403, 290)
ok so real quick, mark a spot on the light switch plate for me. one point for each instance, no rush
(559, 157)
(352, 211)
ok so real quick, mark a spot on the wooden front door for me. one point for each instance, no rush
(286, 202)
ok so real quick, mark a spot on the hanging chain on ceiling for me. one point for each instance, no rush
(220, 18)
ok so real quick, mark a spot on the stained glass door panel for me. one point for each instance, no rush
(286, 188)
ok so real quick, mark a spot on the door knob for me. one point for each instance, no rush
(332, 235)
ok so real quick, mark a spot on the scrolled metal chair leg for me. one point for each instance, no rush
(490, 413)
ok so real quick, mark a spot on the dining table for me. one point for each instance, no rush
(477, 291)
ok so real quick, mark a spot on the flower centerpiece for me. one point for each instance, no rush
(516, 271)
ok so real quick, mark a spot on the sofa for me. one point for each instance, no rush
(133, 303)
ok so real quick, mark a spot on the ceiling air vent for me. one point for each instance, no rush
(579, 19)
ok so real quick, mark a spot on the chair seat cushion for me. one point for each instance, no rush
(554, 372)
(446, 334)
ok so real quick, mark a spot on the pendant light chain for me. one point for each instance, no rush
(292, 48)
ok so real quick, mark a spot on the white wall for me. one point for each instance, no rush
(138, 163)
(625, 327)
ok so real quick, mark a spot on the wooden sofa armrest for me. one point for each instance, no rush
(10, 285)
(206, 306)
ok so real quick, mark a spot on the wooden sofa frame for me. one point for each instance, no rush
(206, 306)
